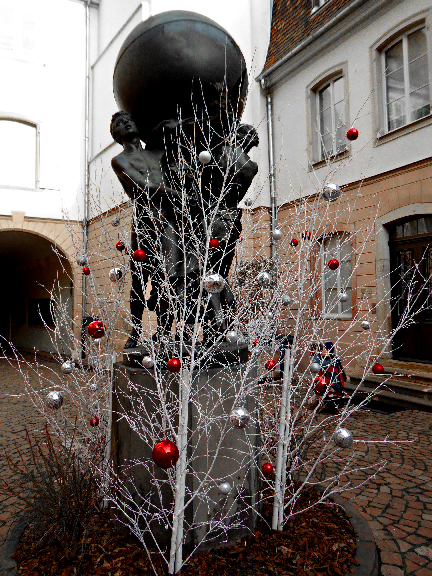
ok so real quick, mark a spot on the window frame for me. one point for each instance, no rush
(323, 261)
(317, 4)
(331, 82)
(35, 125)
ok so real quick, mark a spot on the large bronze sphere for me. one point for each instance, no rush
(170, 56)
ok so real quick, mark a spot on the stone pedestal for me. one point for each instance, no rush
(217, 452)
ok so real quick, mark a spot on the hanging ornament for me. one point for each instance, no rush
(54, 399)
(232, 336)
(239, 417)
(147, 362)
(267, 469)
(93, 387)
(331, 192)
(315, 367)
(306, 235)
(165, 454)
(67, 367)
(98, 341)
(264, 279)
(96, 329)
(82, 260)
(352, 134)
(115, 222)
(94, 421)
(248, 202)
(365, 324)
(225, 488)
(343, 438)
(115, 274)
(255, 342)
(269, 315)
(204, 157)
(213, 244)
(343, 297)
(285, 300)
(270, 365)
(174, 365)
(214, 283)
(294, 242)
(120, 246)
(139, 255)
(86, 271)
(378, 368)
(333, 264)
(240, 239)
(277, 235)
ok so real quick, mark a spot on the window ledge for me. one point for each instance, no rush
(338, 316)
(336, 158)
(407, 129)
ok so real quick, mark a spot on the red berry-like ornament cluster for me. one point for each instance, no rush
(86, 270)
(267, 469)
(174, 365)
(270, 365)
(94, 421)
(139, 255)
(120, 246)
(378, 368)
(96, 329)
(352, 134)
(213, 244)
(333, 264)
(294, 242)
(165, 454)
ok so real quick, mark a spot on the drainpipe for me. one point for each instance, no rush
(273, 199)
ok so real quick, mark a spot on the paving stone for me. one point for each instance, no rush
(391, 558)
(424, 551)
(387, 570)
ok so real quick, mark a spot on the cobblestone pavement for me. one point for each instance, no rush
(397, 503)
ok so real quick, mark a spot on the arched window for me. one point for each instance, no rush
(18, 153)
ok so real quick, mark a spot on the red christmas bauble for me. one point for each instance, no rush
(352, 134)
(333, 264)
(270, 365)
(86, 270)
(240, 239)
(213, 244)
(294, 242)
(94, 421)
(165, 454)
(96, 329)
(321, 387)
(378, 368)
(120, 246)
(139, 256)
(306, 235)
(255, 342)
(267, 469)
(174, 365)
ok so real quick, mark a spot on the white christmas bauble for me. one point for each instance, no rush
(67, 367)
(147, 362)
(331, 192)
(365, 324)
(82, 260)
(239, 417)
(115, 222)
(204, 157)
(54, 399)
(214, 283)
(225, 487)
(115, 274)
(343, 297)
(269, 315)
(285, 300)
(232, 336)
(315, 367)
(343, 438)
(277, 234)
(264, 279)
(248, 202)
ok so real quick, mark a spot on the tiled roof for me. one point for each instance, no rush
(292, 23)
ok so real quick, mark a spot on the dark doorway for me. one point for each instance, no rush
(411, 268)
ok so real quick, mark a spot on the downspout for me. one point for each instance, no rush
(273, 199)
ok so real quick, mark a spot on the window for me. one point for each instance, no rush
(336, 283)
(331, 122)
(18, 153)
(406, 83)
(316, 4)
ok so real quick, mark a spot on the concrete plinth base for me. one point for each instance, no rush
(217, 452)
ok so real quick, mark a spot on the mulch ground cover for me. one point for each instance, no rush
(319, 541)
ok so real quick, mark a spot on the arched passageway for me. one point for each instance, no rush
(34, 276)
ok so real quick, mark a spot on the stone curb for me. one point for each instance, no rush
(8, 566)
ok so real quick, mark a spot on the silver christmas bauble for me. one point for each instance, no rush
(269, 315)
(264, 279)
(239, 417)
(115, 274)
(115, 222)
(331, 192)
(232, 336)
(343, 297)
(204, 157)
(277, 234)
(285, 300)
(82, 260)
(214, 283)
(54, 399)
(225, 487)
(343, 438)
(248, 202)
(93, 387)
(147, 362)
(365, 324)
(67, 367)
(315, 367)
(98, 340)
